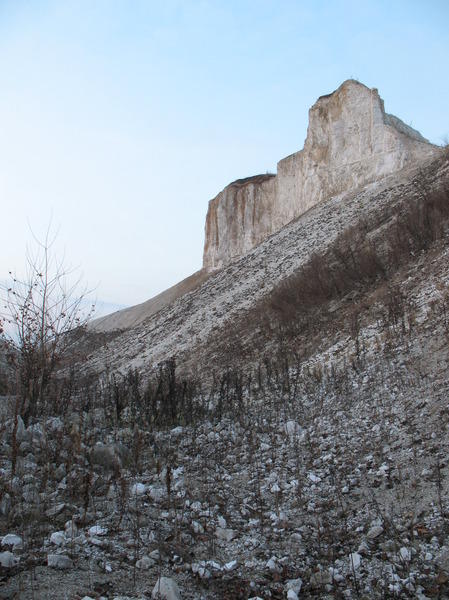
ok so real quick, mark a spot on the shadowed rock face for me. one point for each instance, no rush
(350, 142)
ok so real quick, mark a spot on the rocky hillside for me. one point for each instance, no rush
(303, 472)
(130, 317)
(191, 327)
(276, 428)
(351, 141)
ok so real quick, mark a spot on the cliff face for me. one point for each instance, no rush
(238, 219)
(350, 142)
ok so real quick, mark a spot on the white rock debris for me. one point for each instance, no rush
(12, 540)
(166, 589)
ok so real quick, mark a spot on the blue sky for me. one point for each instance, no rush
(119, 120)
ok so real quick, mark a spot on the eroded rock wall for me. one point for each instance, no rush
(238, 219)
(350, 142)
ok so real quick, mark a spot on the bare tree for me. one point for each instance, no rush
(41, 313)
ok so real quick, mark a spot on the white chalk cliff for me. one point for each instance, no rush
(351, 141)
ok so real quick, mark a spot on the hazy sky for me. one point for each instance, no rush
(120, 120)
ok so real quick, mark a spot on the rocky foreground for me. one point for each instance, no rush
(324, 484)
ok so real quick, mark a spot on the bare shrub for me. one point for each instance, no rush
(42, 311)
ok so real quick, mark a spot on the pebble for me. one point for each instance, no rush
(145, 563)
(225, 535)
(375, 532)
(59, 561)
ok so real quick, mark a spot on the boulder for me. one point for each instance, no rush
(145, 563)
(12, 540)
(22, 434)
(166, 589)
(58, 538)
(8, 560)
(375, 532)
(106, 457)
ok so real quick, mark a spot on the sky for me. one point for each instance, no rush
(120, 119)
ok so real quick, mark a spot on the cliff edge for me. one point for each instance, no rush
(351, 141)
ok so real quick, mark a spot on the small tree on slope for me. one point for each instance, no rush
(41, 312)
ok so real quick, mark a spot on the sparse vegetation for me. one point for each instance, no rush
(312, 456)
(365, 257)
(43, 313)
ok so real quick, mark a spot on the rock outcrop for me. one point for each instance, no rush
(351, 141)
(238, 219)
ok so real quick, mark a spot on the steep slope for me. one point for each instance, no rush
(184, 328)
(132, 316)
